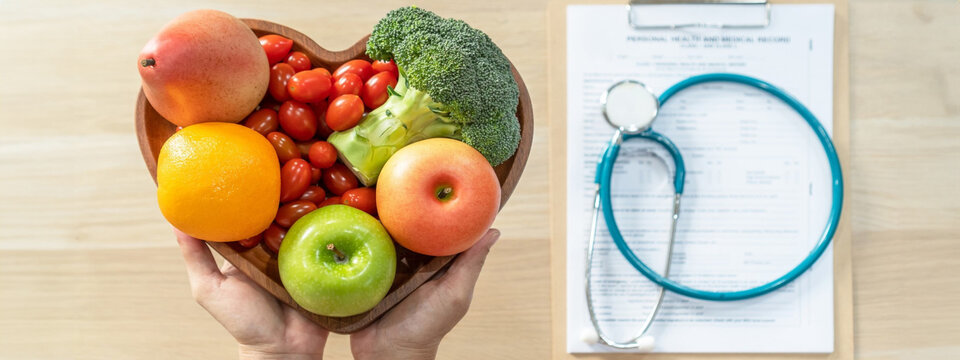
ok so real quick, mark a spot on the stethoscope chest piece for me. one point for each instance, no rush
(629, 106)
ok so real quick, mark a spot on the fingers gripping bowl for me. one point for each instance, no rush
(412, 269)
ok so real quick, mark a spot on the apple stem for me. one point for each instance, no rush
(339, 256)
(444, 193)
(148, 62)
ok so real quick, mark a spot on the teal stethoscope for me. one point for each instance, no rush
(630, 107)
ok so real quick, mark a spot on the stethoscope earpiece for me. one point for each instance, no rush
(589, 336)
(645, 343)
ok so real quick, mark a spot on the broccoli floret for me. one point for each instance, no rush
(496, 139)
(454, 82)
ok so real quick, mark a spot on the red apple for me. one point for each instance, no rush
(437, 196)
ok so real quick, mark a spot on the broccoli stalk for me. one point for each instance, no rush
(454, 83)
(408, 115)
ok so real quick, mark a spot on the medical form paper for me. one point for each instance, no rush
(757, 189)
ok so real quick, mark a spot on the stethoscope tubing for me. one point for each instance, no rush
(605, 171)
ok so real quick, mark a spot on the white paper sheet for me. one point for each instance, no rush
(757, 189)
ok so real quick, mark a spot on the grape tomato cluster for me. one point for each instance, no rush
(303, 106)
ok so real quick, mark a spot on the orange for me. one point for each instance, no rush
(218, 181)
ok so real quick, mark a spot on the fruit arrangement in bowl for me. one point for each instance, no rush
(338, 181)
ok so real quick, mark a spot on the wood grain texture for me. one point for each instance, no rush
(260, 264)
(90, 270)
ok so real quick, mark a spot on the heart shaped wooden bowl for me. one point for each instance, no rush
(259, 264)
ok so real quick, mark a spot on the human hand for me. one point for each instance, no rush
(264, 328)
(413, 329)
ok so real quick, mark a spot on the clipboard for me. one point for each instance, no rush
(556, 99)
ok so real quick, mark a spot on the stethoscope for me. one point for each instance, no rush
(634, 108)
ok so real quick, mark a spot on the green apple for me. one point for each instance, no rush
(337, 261)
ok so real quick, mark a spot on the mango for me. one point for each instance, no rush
(203, 66)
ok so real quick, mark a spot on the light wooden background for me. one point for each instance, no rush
(90, 270)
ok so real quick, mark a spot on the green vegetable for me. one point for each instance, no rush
(454, 83)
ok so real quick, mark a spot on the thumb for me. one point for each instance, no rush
(202, 269)
(465, 270)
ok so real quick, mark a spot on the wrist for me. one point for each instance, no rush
(398, 352)
(252, 353)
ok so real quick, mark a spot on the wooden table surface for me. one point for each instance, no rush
(89, 268)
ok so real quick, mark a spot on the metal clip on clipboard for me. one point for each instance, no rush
(634, 6)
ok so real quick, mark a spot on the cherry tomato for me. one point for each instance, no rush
(388, 66)
(322, 154)
(294, 179)
(273, 236)
(291, 212)
(374, 92)
(283, 144)
(269, 103)
(263, 121)
(309, 86)
(344, 112)
(298, 120)
(323, 71)
(251, 241)
(304, 147)
(314, 194)
(276, 47)
(338, 179)
(360, 67)
(300, 61)
(280, 75)
(333, 200)
(348, 83)
(361, 198)
(320, 108)
(315, 174)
